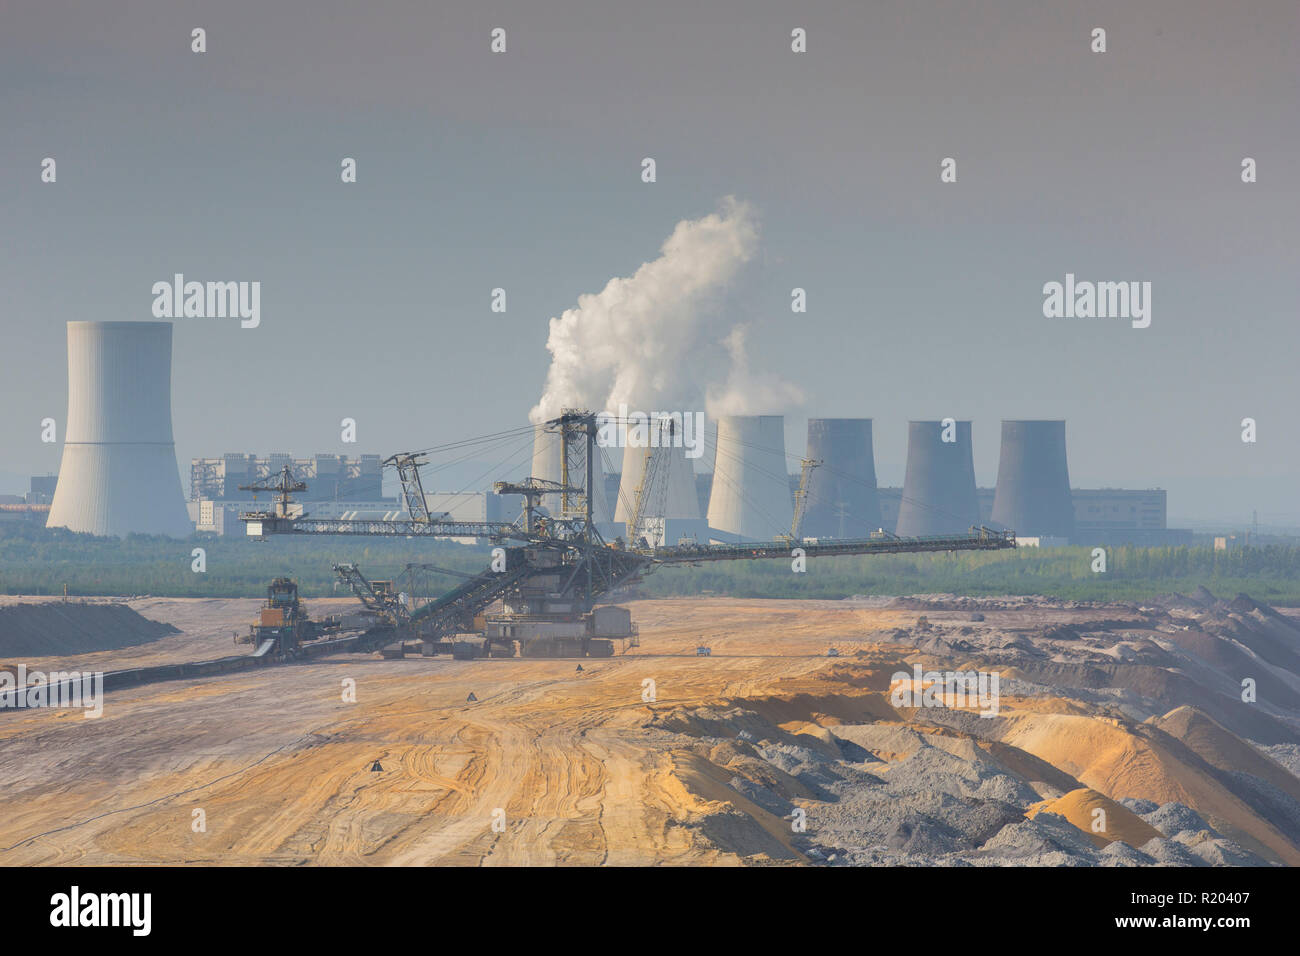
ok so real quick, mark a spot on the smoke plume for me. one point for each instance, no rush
(648, 340)
(747, 391)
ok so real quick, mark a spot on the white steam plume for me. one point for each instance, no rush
(750, 392)
(648, 339)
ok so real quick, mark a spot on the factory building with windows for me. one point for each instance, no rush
(328, 477)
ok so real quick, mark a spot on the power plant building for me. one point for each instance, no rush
(1117, 509)
(1101, 515)
(328, 477)
(118, 474)
(42, 489)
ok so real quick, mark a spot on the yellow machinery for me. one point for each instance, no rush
(285, 621)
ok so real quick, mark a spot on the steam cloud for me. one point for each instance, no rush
(749, 392)
(647, 340)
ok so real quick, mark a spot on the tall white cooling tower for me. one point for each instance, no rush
(548, 457)
(546, 463)
(751, 498)
(680, 499)
(119, 473)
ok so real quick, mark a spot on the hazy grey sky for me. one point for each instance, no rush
(522, 170)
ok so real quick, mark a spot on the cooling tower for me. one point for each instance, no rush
(1033, 495)
(548, 457)
(679, 498)
(119, 472)
(750, 499)
(939, 488)
(546, 463)
(841, 500)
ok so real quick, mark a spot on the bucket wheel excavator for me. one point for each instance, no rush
(541, 594)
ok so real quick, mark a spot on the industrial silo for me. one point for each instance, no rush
(750, 499)
(841, 494)
(119, 473)
(939, 488)
(1033, 494)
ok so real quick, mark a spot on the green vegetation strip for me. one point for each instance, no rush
(42, 561)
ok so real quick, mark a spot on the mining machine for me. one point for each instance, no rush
(543, 594)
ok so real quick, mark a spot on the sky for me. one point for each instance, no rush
(522, 170)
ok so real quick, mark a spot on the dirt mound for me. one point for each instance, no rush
(1223, 749)
(1271, 636)
(1141, 760)
(1199, 599)
(73, 628)
(1204, 596)
(1166, 688)
(724, 815)
(1118, 823)
(823, 709)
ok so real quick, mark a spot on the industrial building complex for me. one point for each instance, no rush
(329, 477)
(118, 475)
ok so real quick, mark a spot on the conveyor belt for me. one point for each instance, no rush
(459, 605)
(131, 677)
(979, 539)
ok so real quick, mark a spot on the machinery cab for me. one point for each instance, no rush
(281, 618)
(281, 608)
(282, 593)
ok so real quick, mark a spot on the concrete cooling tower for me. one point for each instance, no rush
(548, 457)
(680, 499)
(1033, 494)
(546, 463)
(842, 500)
(119, 473)
(939, 487)
(750, 499)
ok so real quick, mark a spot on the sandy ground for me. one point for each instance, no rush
(207, 625)
(554, 765)
(281, 765)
